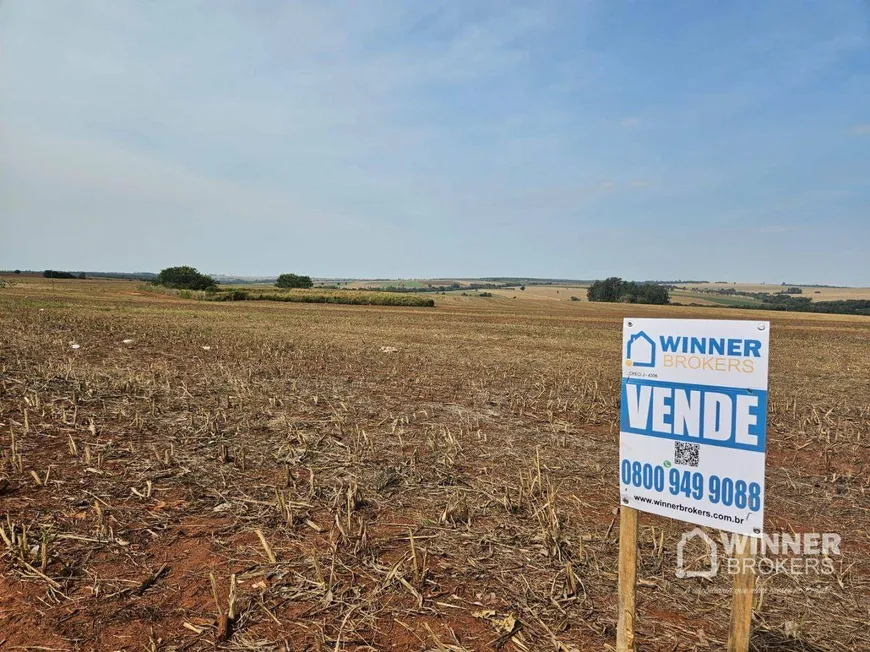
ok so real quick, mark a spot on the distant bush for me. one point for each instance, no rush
(181, 294)
(805, 304)
(294, 281)
(575, 298)
(485, 294)
(51, 273)
(230, 295)
(843, 307)
(184, 278)
(349, 297)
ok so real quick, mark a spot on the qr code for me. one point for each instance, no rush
(686, 454)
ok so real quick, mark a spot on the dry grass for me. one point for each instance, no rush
(457, 494)
(545, 292)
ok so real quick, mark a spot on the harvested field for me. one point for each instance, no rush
(814, 293)
(550, 292)
(265, 476)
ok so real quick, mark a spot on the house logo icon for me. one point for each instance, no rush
(712, 551)
(640, 351)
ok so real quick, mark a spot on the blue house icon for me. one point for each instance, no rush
(641, 350)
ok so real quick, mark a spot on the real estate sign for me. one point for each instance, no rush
(693, 420)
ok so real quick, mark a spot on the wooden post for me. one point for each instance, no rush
(743, 591)
(627, 578)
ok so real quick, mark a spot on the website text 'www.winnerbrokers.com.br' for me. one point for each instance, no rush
(727, 518)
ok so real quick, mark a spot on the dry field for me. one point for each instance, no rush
(814, 293)
(564, 292)
(549, 292)
(263, 477)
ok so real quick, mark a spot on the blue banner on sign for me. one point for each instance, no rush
(702, 414)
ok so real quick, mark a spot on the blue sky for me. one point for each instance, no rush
(649, 140)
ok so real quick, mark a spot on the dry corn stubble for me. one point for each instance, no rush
(363, 499)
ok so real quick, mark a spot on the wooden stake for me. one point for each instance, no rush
(627, 578)
(743, 590)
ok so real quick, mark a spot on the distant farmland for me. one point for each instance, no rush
(564, 291)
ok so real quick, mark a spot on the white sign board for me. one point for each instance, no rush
(693, 419)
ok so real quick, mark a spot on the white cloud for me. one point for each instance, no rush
(862, 130)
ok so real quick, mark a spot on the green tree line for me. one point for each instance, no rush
(615, 290)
